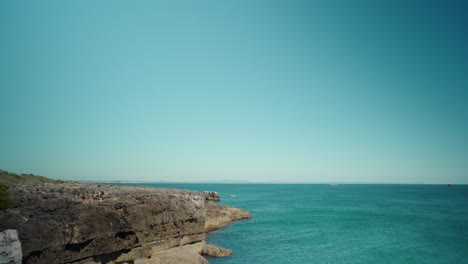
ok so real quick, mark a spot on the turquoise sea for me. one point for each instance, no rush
(350, 223)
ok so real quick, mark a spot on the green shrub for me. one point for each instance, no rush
(5, 198)
(13, 178)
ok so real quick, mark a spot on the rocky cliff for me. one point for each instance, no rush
(65, 223)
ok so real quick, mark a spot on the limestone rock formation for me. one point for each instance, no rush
(212, 196)
(218, 216)
(215, 251)
(185, 254)
(10, 247)
(96, 224)
(60, 223)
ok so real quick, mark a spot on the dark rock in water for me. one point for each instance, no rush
(61, 223)
(212, 196)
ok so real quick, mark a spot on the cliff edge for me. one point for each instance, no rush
(85, 223)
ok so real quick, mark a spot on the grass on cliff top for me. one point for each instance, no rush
(5, 198)
(9, 178)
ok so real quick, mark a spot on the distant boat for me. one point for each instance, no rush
(334, 184)
(449, 184)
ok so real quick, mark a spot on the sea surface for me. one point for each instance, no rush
(350, 223)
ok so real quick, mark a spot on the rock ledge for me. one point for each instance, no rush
(87, 223)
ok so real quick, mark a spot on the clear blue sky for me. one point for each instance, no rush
(305, 91)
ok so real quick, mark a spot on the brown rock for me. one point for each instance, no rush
(218, 216)
(59, 223)
(186, 254)
(84, 223)
(212, 196)
(215, 251)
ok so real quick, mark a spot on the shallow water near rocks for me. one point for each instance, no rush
(349, 223)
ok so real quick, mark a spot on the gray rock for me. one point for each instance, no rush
(10, 247)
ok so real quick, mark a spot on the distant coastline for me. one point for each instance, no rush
(270, 182)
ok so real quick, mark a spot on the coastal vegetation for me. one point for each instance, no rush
(5, 198)
(9, 178)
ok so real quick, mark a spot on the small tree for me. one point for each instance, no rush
(5, 198)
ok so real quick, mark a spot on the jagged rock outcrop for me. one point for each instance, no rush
(10, 247)
(97, 224)
(218, 216)
(59, 223)
(215, 251)
(212, 196)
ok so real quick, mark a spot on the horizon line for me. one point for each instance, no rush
(266, 182)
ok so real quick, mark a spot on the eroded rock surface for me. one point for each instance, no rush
(10, 247)
(87, 223)
(185, 254)
(218, 216)
(212, 196)
(60, 223)
(215, 251)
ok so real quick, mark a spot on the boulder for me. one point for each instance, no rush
(212, 196)
(10, 247)
(215, 251)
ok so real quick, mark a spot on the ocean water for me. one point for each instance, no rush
(348, 223)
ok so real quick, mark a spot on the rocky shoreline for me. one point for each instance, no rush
(219, 216)
(89, 223)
